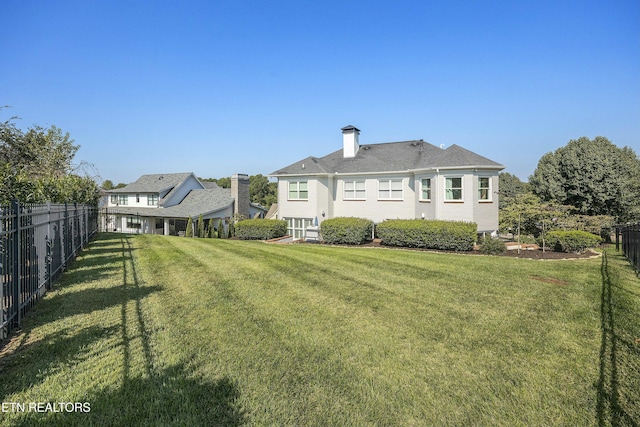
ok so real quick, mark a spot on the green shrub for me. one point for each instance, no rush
(261, 229)
(491, 246)
(346, 231)
(221, 231)
(431, 234)
(189, 230)
(211, 230)
(571, 241)
(200, 226)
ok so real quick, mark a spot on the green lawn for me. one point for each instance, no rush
(152, 330)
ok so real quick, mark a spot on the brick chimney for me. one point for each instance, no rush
(240, 194)
(350, 145)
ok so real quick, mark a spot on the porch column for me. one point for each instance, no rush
(166, 226)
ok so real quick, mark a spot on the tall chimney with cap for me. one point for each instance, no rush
(350, 145)
(240, 194)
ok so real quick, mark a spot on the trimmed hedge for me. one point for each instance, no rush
(431, 234)
(346, 231)
(571, 241)
(261, 229)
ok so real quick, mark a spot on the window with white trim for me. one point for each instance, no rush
(426, 189)
(296, 227)
(390, 189)
(354, 190)
(453, 189)
(484, 188)
(152, 200)
(134, 222)
(298, 190)
(122, 199)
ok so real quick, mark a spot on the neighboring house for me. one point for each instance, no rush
(163, 203)
(409, 179)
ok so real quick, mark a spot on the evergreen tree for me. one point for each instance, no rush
(221, 233)
(211, 230)
(189, 231)
(200, 226)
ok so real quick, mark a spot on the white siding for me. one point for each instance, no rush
(326, 198)
(181, 192)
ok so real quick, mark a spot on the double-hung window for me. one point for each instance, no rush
(152, 200)
(354, 190)
(453, 189)
(119, 199)
(484, 189)
(390, 189)
(298, 190)
(426, 189)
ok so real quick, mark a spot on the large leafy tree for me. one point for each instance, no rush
(595, 176)
(36, 166)
(262, 191)
(511, 187)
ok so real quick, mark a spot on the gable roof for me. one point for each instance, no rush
(390, 157)
(155, 183)
(199, 202)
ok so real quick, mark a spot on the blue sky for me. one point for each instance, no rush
(219, 87)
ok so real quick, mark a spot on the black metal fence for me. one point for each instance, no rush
(630, 236)
(36, 244)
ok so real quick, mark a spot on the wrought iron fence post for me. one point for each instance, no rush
(15, 207)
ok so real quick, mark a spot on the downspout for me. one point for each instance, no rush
(436, 194)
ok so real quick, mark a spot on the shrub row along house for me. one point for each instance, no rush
(395, 180)
(163, 203)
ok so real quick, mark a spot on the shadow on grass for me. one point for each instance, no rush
(172, 397)
(131, 396)
(618, 402)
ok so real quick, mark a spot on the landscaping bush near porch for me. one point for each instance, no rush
(571, 241)
(260, 229)
(430, 234)
(346, 231)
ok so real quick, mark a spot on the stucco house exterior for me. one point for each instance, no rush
(163, 203)
(394, 180)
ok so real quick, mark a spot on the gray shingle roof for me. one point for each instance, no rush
(201, 202)
(390, 157)
(155, 183)
(197, 202)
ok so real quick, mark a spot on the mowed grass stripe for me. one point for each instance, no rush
(390, 351)
(284, 337)
(175, 331)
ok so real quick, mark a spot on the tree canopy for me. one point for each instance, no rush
(594, 176)
(36, 167)
(261, 191)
